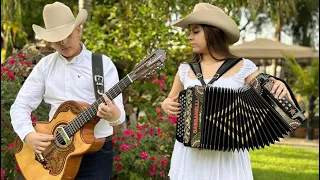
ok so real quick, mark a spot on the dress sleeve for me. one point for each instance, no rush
(248, 68)
(183, 72)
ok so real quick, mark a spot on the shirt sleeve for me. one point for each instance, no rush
(111, 78)
(28, 99)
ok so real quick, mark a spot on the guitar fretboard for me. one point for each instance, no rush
(91, 111)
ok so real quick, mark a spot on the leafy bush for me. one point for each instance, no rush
(13, 73)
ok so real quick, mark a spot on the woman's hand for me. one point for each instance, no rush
(279, 89)
(171, 106)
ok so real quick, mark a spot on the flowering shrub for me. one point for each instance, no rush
(144, 151)
(13, 73)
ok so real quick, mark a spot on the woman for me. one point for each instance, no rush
(211, 31)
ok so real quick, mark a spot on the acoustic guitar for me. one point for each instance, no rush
(73, 128)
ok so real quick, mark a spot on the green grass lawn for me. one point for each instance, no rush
(285, 163)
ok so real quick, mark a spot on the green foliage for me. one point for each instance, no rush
(13, 74)
(306, 79)
(285, 163)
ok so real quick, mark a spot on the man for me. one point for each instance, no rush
(67, 75)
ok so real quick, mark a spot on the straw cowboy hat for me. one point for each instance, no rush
(59, 22)
(204, 13)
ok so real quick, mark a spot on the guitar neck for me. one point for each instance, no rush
(91, 111)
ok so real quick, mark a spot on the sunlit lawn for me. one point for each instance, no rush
(285, 163)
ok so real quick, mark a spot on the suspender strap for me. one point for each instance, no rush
(197, 71)
(227, 64)
(97, 74)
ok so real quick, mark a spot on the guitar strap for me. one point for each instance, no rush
(97, 74)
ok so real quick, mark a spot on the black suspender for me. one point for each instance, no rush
(97, 74)
(227, 64)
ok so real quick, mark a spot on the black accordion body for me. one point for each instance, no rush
(225, 119)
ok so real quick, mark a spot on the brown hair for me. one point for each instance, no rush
(215, 42)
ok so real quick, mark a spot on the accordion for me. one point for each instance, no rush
(226, 119)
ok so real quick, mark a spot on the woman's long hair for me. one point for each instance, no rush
(215, 43)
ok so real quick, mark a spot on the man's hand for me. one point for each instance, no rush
(109, 110)
(38, 141)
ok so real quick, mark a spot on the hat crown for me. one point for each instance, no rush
(206, 6)
(57, 15)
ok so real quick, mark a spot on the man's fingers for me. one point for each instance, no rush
(107, 100)
(46, 137)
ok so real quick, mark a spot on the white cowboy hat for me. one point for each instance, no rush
(59, 22)
(204, 13)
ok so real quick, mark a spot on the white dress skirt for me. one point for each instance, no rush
(194, 164)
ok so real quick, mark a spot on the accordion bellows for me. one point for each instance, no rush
(225, 119)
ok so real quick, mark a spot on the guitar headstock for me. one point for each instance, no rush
(149, 64)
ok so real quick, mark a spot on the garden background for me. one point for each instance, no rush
(126, 31)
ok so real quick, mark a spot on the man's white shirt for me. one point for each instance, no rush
(56, 80)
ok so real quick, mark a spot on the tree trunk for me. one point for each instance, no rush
(87, 5)
(310, 124)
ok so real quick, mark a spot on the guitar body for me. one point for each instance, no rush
(62, 161)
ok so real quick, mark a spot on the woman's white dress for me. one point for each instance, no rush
(193, 164)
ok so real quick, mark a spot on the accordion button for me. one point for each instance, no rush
(289, 105)
(280, 101)
(287, 108)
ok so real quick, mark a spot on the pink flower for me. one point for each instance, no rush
(34, 118)
(153, 74)
(122, 138)
(156, 81)
(114, 141)
(10, 146)
(2, 172)
(127, 132)
(154, 167)
(153, 158)
(118, 167)
(160, 118)
(28, 63)
(125, 147)
(158, 110)
(151, 172)
(21, 56)
(139, 127)
(161, 89)
(17, 168)
(159, 131)
(21, 62)
(11, 61)
(163, 76)
(117, 158)
(164, 162)
(139, 136)
(161, 173)
(144, 155)
(134, 146)
(11, 76)
(172, 119)
(3, 68)
(162, 82)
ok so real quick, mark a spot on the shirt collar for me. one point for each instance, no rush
(77, 59)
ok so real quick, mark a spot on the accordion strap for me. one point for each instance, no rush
(227, 64)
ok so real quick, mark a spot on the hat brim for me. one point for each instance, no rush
(213, 18)
(59, 34)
